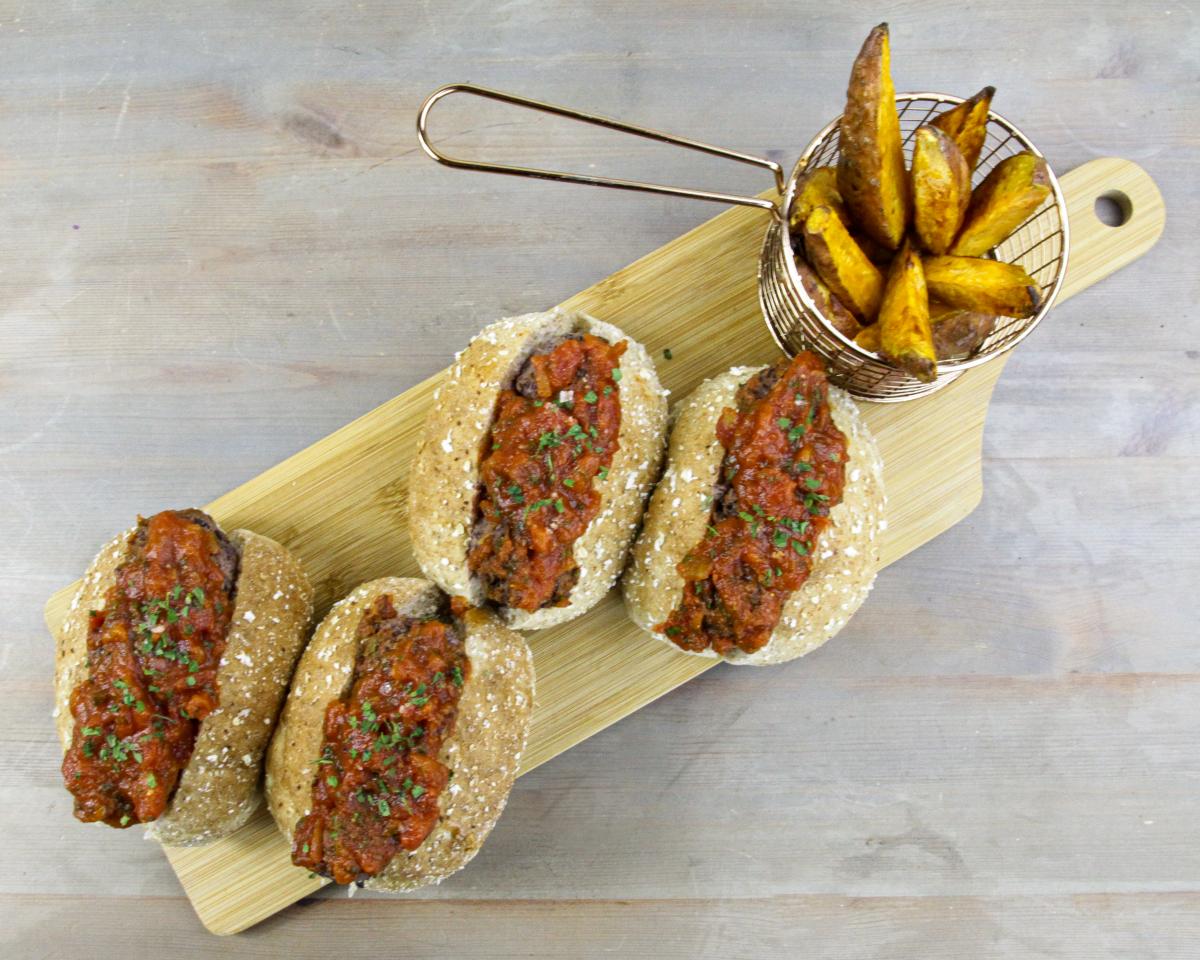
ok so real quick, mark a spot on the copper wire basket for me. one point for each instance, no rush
(1039, 245)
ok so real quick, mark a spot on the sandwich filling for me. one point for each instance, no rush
(378, 778)
(153, 654)
(782, 474)
(554, 434)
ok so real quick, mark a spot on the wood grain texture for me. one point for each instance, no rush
(698, 293)
(262, 255)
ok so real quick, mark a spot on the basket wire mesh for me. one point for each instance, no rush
(1039, 245)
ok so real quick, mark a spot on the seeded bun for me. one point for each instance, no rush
(218, 789)
(445, 475)
(846, 555)
(484, 749)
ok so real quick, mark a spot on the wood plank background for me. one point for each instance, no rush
(220, 243)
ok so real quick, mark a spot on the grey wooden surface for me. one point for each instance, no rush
(219, 243)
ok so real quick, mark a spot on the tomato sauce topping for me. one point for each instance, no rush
(153, 653)
(783, 471)
(378, 778)
(555, 431)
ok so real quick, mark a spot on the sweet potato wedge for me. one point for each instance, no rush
(966, 125)
(1015, 187)
(941, 189)
(905, 337)
(957, 333)
(816, 188)
(871, 176)
(868, 338)
(840, 262)
(986, 286)
(830, 307)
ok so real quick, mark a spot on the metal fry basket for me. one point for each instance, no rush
(1040, 245)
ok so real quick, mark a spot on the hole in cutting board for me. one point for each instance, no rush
(1114, 208)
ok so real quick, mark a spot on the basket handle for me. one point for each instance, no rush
(599, 121)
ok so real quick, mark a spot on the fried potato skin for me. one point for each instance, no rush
(966, 125)
(1012, 190)
(957, 333)
(831, 308)
(876, 252)
(817, 188)
(841, 264)
(868, 338)
(871, 175)
(986, 286)
(941, 189)
(905, 336)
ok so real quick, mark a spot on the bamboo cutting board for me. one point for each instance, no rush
(341, 504)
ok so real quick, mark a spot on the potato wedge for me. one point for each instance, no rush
(840, 262)
(871, 176)
(957, 333)
(868, 338)
(941, 189)
(830, 307)
(816, 188)
(905, 337)
(1015, 187)
(966, 125)
(986, 286)
(877, 253)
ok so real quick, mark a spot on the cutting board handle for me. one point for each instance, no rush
(1098, 249)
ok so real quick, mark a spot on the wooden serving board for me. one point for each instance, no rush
(341, 505)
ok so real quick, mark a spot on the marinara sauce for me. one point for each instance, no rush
(554, 433)
(153, 653)
(783, 471)
(378, 779)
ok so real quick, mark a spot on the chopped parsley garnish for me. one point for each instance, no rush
(418, 697)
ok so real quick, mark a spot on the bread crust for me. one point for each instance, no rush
(218, 789)
(445, 473)
(846, 555)
(484, 750)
